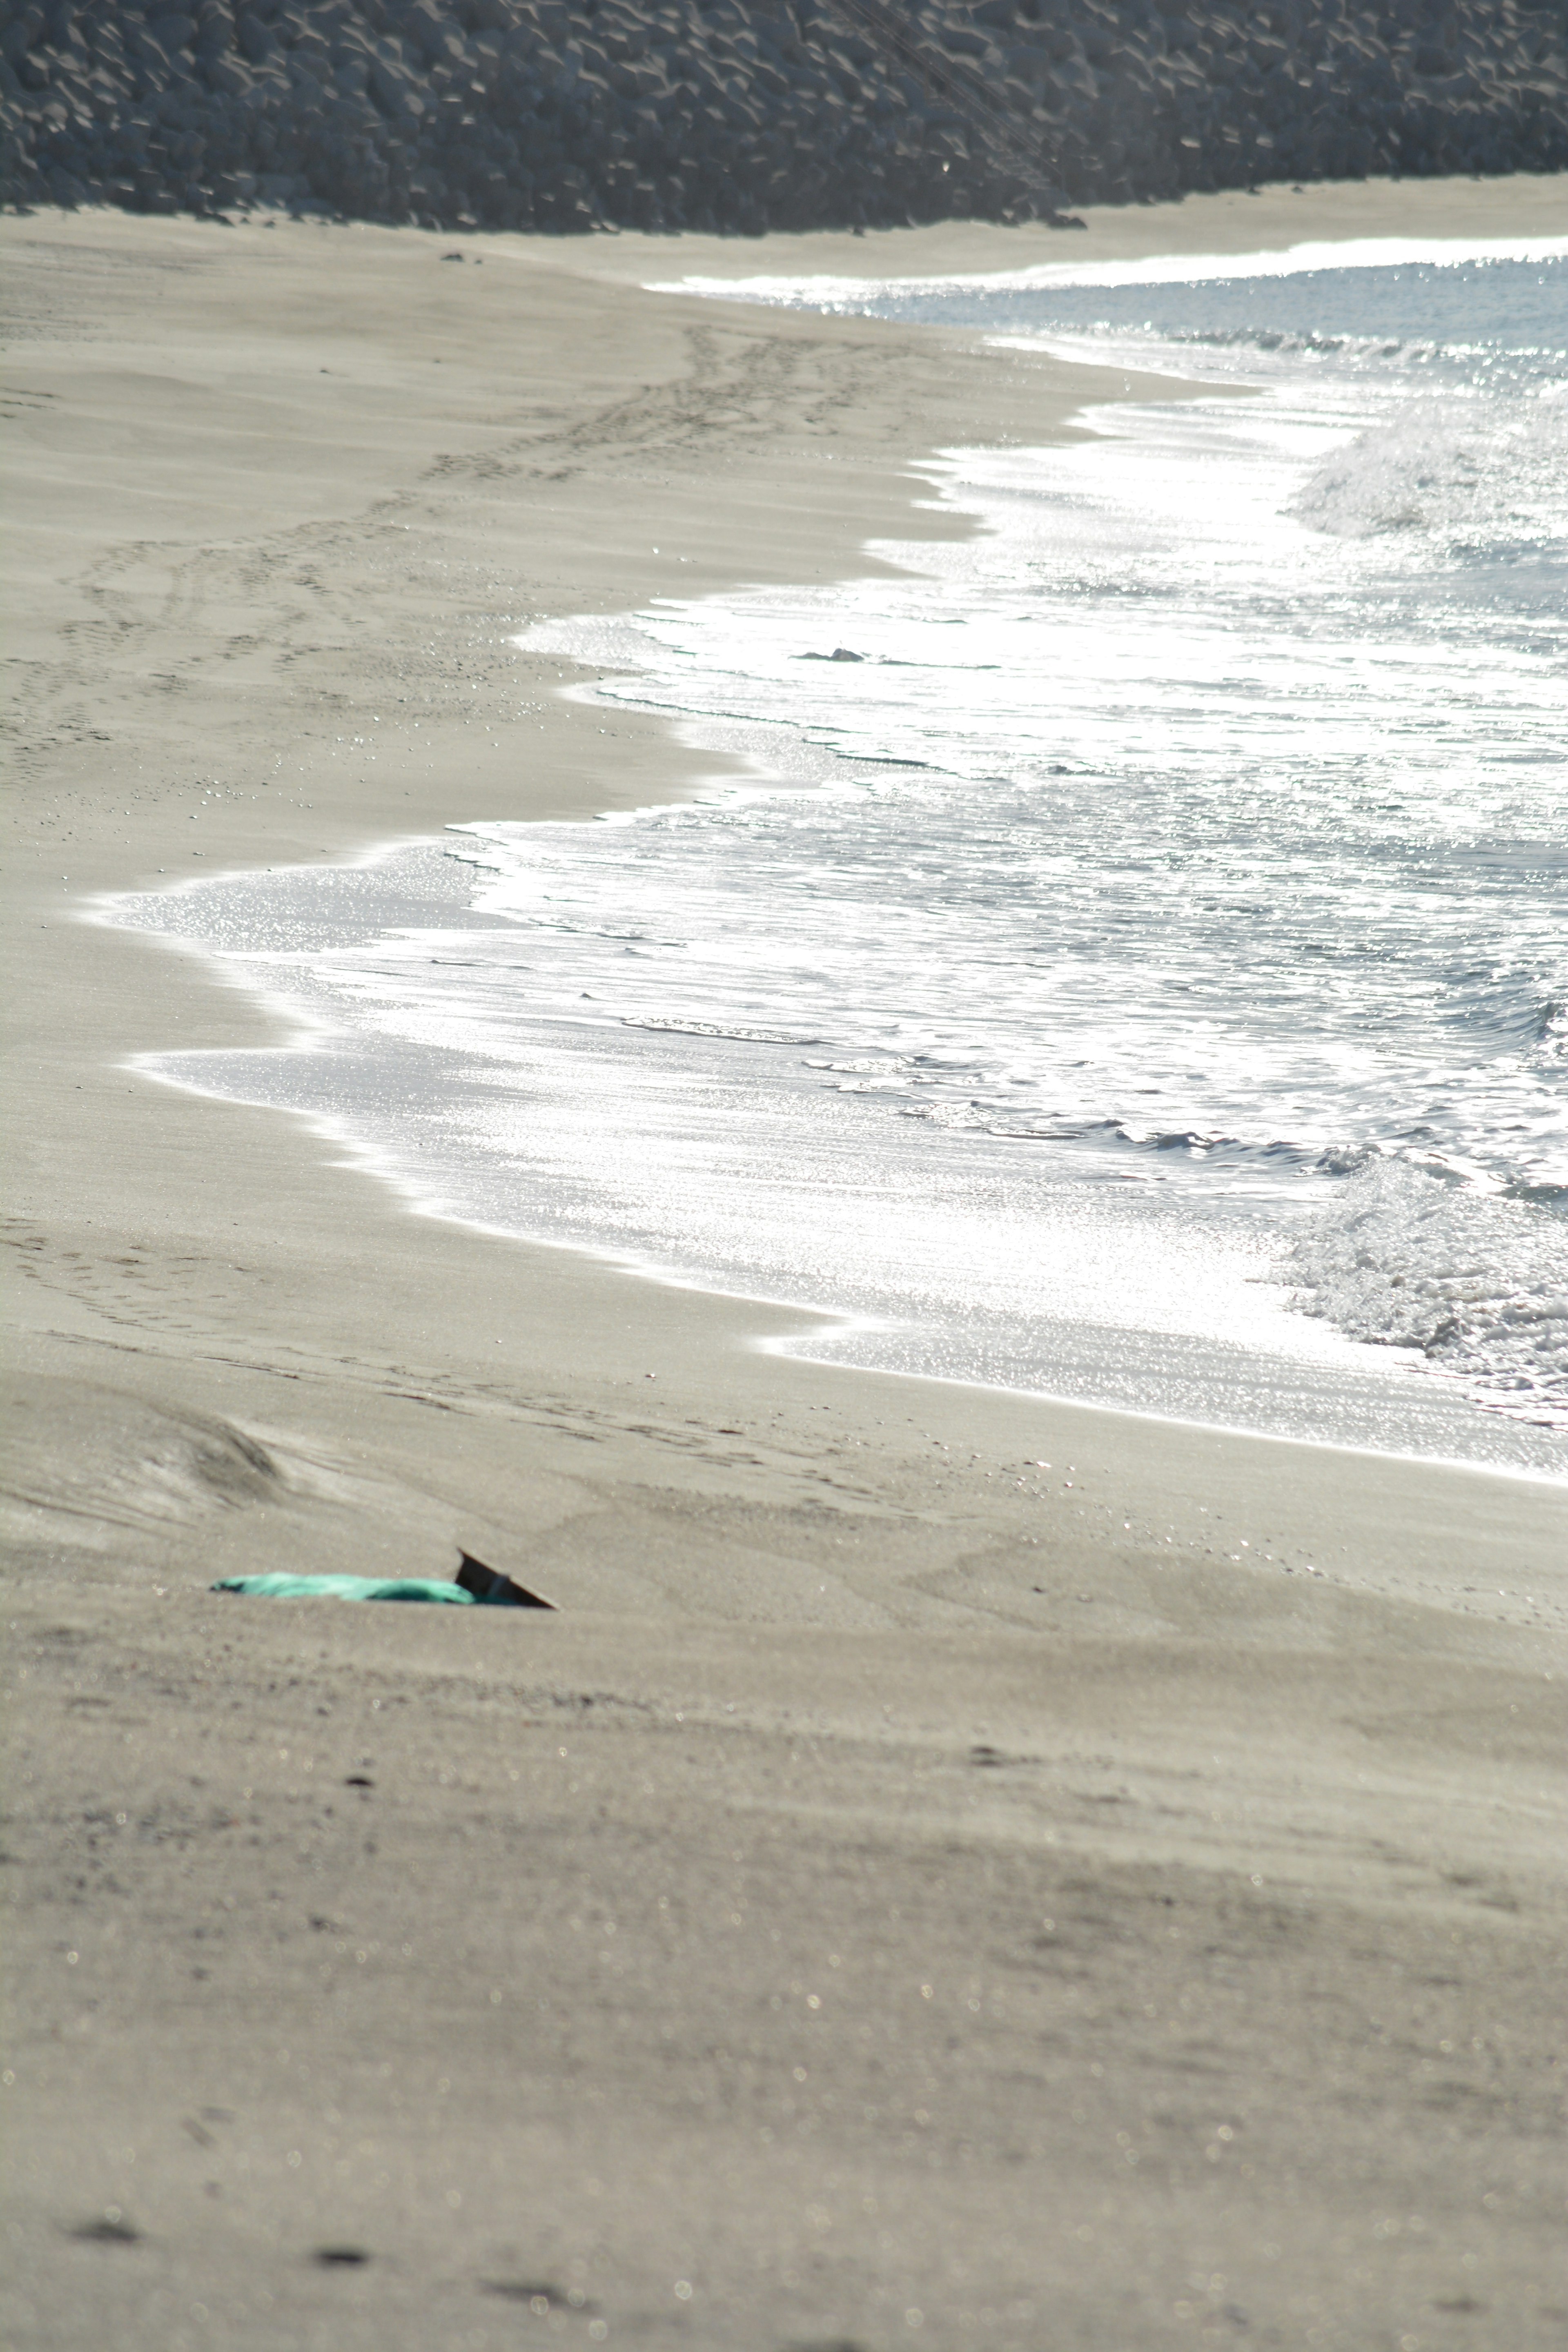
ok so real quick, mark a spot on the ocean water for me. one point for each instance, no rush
(1139, 975)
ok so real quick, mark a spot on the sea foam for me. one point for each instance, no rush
(1136, 978)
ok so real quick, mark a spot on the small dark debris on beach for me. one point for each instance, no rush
(541, 2292)
(109, 2228)
(341, 2258)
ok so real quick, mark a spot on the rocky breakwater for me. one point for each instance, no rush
(745, 115)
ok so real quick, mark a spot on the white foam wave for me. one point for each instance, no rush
(830, 292)
(1404, 1258)
(1446, 468)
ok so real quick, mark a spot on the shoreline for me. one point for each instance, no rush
(886, 1674)
(1371, 1411)
(758, 1306)
(823, 1321)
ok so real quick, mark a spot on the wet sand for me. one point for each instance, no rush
(957, 1870)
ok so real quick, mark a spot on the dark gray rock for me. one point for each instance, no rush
(742, 115)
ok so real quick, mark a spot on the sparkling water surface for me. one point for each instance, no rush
(1140, 975)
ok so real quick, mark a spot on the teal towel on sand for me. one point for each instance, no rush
(347, 1588)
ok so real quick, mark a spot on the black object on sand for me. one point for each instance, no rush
(496, 1592)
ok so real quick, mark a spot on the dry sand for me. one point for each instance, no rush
(931, 1885)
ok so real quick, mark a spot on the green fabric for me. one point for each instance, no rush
(345, 1588)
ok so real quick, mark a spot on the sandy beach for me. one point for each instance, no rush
(957, 1870)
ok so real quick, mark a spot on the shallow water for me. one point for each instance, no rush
(1141, 976)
